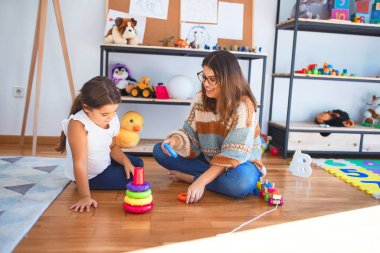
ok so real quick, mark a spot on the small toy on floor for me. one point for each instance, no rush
(267, 191)
(300, 165)
(138, 197)
(182, 196)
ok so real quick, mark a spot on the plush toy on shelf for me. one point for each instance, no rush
(120, 75)
(130, 128)
(372, 114)
(123, 32)
(305, 10)
(336, 118)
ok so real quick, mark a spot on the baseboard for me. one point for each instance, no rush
(15, 139)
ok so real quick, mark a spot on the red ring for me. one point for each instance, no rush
(137, 209)
(182, 196)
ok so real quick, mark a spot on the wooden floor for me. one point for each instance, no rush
(110, 229)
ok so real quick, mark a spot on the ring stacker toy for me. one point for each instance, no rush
(182, 196)
(138, 196)
(170, 150)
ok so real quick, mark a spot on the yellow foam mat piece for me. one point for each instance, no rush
(360, 178)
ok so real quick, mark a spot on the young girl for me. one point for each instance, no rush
(90, 144)
(219, 146)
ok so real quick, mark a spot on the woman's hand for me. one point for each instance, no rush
(195, 191)
(172, 141)
(85, 202)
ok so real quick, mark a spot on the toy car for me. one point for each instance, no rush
(141, 89)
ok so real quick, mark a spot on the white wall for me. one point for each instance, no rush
(84, 24)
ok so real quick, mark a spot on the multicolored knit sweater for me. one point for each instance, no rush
(227, 145)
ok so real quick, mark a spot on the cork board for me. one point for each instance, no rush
(158, 29)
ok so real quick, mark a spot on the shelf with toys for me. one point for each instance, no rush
(330, 26)
(171, 101)
(314, 137)
(329, 77)
(145, 146)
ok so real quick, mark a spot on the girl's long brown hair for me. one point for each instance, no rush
(233, 86)
(95, 93)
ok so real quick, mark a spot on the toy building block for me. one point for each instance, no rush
(375, 15)
(360, 18)
(340, 14)
(376, 6)
(363, 6)
(341, 4)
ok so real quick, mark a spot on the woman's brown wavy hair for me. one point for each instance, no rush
(233, 85)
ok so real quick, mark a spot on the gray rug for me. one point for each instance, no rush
(28, 185)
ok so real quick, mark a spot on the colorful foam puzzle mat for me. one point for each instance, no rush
(364, 174)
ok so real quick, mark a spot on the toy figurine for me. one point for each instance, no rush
(165, 42)
(372, 114)
(120, 75)
(181, 43)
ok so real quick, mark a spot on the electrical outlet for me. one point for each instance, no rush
(18, 92)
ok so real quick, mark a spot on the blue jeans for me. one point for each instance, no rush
(237, 182)
(114, 178)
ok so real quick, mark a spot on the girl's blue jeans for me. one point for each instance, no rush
(114, 178)
(236, 182)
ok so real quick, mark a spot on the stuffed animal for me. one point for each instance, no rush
(305, 10)
(336, 118)
(120, 75)
(123, 32)
(372, 114)
(130, 128)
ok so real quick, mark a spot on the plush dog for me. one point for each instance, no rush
(372, 114)
(123, 32)
(336, 118)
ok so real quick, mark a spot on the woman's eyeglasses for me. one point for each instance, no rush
(211, 79)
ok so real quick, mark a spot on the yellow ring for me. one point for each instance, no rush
(138, 202)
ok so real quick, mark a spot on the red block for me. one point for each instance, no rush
(362, 6)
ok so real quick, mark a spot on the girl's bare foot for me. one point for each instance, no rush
(178, 176)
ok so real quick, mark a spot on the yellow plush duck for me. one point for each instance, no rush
(130, 128)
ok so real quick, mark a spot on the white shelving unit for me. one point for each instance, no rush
(308, 136)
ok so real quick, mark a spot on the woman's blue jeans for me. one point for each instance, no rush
(236, 182)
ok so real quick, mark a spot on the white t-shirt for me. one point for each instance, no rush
(98, 144)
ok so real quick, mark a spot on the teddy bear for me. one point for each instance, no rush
(336, 118)
(123, 32)
(305, 10)
(372, 114)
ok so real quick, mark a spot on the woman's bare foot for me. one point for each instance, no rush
(178, 176)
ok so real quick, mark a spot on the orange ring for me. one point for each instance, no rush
(182, 196)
